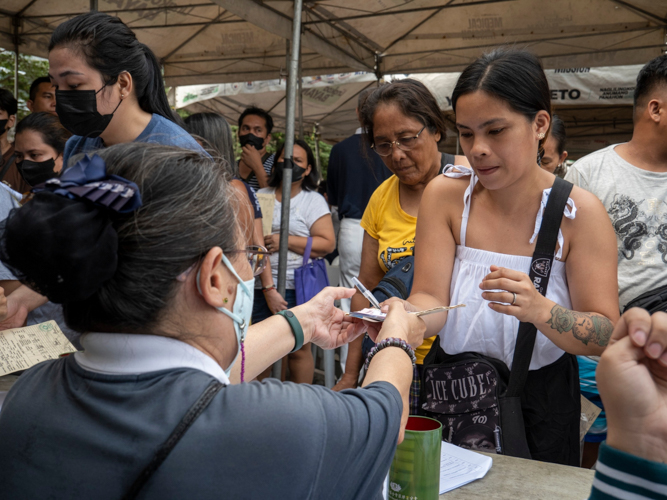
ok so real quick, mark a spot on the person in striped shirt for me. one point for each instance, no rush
(632, 379)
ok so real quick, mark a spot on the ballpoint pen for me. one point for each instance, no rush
(364, 291)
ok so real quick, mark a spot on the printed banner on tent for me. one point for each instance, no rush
(608, 85)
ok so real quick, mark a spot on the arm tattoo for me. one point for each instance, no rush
(587, 327)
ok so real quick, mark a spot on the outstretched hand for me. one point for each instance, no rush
(324, 324)
(399, 323)
(4, 313)
(632, 379)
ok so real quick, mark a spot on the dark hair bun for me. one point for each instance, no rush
(62, 248)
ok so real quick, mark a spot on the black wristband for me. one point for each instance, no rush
(296, 328)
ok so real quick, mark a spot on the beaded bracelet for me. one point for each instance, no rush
(391, 342)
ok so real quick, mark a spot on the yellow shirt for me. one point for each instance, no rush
(385, 221)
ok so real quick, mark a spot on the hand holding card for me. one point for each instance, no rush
(375, 315)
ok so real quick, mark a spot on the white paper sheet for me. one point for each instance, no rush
(459, 466)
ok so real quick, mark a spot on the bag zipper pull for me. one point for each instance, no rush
(496, 434)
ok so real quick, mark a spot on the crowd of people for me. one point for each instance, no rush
(141, 235)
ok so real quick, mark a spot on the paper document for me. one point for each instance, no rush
(459, 466)
(589, 413)
(22, 348)
(372, 314)
(267, 202)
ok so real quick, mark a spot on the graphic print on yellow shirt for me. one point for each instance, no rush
(385, 221)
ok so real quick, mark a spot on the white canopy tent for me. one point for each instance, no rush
(221, 41)
(595, 103)
(327, 100)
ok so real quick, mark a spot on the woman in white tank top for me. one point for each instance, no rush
(475, 238)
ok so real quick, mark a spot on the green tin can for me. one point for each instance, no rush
(415, 469)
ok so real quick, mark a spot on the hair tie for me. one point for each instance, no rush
(88, 179)
(63, 248)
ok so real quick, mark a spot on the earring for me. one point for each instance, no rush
(122, 96)
(225, 300)
(541, 135)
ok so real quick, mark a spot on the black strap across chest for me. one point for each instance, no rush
(165, 448)
(540, 272)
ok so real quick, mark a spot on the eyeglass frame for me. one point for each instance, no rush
(251, 250)
(398, 144)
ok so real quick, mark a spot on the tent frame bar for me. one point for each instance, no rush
(408, 11)
(288, 155)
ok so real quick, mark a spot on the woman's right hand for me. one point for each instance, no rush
(275, 301)
(398, 323)
(632, 379)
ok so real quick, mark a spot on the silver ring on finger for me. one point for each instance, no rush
(513, 299)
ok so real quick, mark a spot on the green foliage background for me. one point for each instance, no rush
(30, 68)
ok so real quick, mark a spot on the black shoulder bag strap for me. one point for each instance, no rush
(540, 271)
(6, 166)
(163, 451)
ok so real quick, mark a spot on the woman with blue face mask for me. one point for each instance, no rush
(109, 87)
(155, 274)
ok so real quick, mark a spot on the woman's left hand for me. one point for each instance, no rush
(272, 242)
(324, 324)
(520, 298)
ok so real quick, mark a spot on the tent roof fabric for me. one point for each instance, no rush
(219, 41)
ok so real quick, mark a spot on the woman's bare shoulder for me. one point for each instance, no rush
(591, 222)
(449, 187)
(589, 204)
(444, 196)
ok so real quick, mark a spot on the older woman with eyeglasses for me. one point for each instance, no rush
(404, 125)
(155, 271)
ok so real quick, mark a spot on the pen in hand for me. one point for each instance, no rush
(364, 291)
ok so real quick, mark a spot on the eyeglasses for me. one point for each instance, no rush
(404, 143)
(257, 257)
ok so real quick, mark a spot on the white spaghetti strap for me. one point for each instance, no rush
(570, 212)
(456, 172)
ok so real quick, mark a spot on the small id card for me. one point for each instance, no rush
(374, 315)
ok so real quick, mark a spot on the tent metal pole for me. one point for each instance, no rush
(289, 146)
(16, 21)
(93, 5)
(300, 100)
(316, 129)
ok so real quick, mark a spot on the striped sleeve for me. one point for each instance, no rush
(622, 476)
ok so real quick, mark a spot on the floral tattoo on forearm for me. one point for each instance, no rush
(587, 327)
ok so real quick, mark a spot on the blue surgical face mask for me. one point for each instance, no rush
(241, 312)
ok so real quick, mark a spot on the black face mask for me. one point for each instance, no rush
(36, 172)
(3, 126)
(77, 111)
(297, 171)
(253, 140)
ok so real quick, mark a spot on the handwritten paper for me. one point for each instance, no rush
(459, 466)
(267, 202)
(22, 348)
